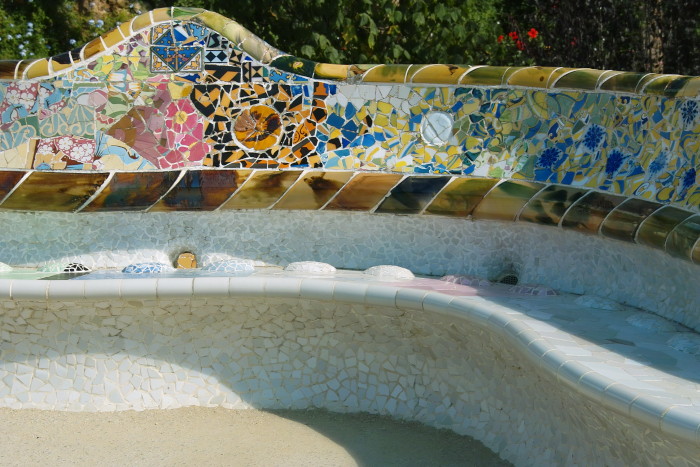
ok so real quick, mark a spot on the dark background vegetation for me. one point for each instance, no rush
(660, 36)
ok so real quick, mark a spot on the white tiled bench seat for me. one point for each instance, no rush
(619, 361)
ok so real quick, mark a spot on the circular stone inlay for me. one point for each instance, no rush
(258, 127)
(436, 128)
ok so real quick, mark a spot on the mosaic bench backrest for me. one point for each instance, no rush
(183, 109)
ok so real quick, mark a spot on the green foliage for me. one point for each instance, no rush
(630, 35)
(641, 35)
(40, 28)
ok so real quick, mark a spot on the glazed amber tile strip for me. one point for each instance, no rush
(8, 180)
(579, 79)
(363, 192)
(549, 205)
(683, 238)
(141, 22)
(655, 229)
(132, 191)
(437, 74)
(412, 195)
(37, 69)
(506, 199)
(313, 190)
(202, 190)
(61, 191)
(622, 82)
(536, 77)
(262, 189)
(484, 75)
(92, 48)
(622, 223)
(461, 196)
(587, 214)
(386, 74)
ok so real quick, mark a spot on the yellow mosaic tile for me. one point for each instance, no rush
(37, 69)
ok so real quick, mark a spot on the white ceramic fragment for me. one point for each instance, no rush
(311, 267)
(387, 272)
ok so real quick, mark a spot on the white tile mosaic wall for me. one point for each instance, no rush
(563, 260)
(103, 355)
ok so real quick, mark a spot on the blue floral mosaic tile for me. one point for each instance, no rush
(147, 268)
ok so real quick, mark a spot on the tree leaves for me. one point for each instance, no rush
(612, 34)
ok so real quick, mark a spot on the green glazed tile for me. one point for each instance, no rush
(588, 213)
(675, 86)
(180, 12)
(486, 75)
(658, 86)
(535, 77)
(683, 238)
(549, 205)
(691, 88)
(622, 223)
(584, 78)
(655, 229)
(386, 74)
(293, 64)
(623, 82)
(436, 74)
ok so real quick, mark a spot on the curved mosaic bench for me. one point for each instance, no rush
(504, 369)
(182, 131)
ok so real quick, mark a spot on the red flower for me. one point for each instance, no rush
(532, 33)
(500, 38)
(513, 35)
(519, 45)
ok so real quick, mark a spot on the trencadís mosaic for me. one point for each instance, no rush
(183, 109)
(185, 88)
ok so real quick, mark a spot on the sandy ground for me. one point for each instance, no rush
(201, 436)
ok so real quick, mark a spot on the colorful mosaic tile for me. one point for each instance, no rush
(147, 268)
(600, 152)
